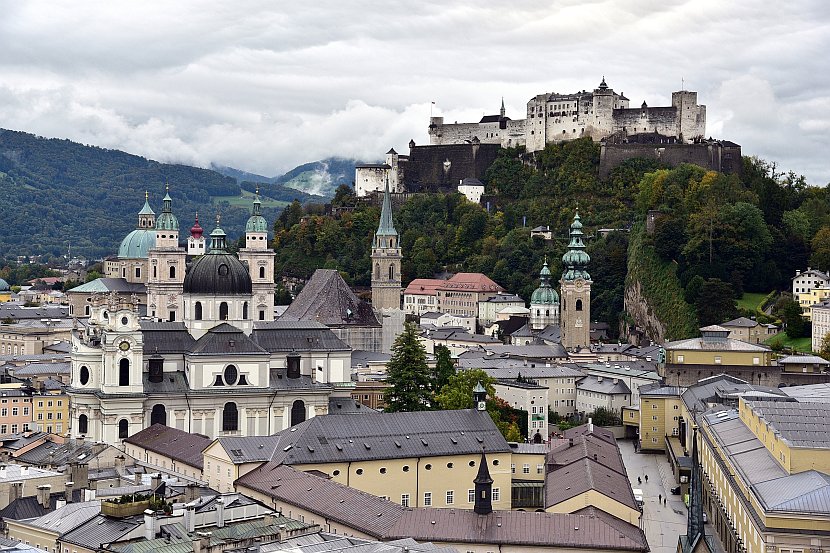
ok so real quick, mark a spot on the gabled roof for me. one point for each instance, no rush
(424, 286)
(804, 492)
(590, 447)
(603, 385)
(472, 282)
(584, 475)
(343, 438)
(741, 322)
(106, 284)
(165, 337)
(327, 299)
(56, 454)
(181, 446)
(793, 359)
(250, 449)
(68, 517)
(225, 339)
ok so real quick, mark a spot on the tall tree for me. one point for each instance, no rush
(821, 249)
(408, 374)
(444, 368)
(458, 394)
(716, 302)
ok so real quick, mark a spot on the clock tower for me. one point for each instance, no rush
(575, 292)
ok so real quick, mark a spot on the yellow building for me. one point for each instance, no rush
(811, 297)
(29, 336)
(50, 412)
(747, 330)
(228, 458)
(660, 415)
(714, 347)
(766, 468)
(5, 291)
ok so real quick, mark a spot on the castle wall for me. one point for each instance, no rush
(426, 167)
(715, 156)
(458, 133)
(370, 178)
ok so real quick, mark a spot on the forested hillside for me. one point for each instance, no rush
(56, 193)
(720, 234)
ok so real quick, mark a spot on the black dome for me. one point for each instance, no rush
(217, 273)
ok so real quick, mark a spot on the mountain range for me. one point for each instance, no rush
(57, 194)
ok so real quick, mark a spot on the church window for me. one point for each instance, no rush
(391, 242)
(123, 429)
(173, 271)
(547, 312)
(261, 315)
(223, 311)
(154, 271)
(172, 316)
(579, 305)
(230, 417)
(297, 412)
(197, 311)
(83, 424)
(231, 374)
(245, 310)
(391, 272)
(84, 375)
(223, 270)
(124, 372)
(377, 270)
(86, 310)
(138, 272)
(262, 272)
(158, 415)
(537, 312)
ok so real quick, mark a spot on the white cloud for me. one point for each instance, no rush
(264, 86)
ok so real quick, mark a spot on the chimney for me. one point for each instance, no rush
(190, 517)
(220, 512)
(60, 502)
(570, 442)
(89, 495)
(68, 489)
(149, 525)
(2, 471)
(79, 472)
(15, 491)
(191, 492)
(119, 464)
(590, 425)
(200, 541)
(43, 493)
(156, 481)
(137, 477)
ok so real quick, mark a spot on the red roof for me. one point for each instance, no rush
(49, 281)
(475, 282)
(424, 286)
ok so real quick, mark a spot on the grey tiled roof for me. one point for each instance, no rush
(101, 529)
(658, 389)
(282, 335)
(727, 344)
(68, 517)
(326, 298)
(603, 385)
(741, 322)
(33, 369)
(720, 389)
(803, 360)
(584, 475)
(531, 351)
(176, 383)
(225, 339)
(106, 284)
(165, 337)
(804, 492)
(800, 424)
(249, 449)
(341, 438)
(177, 444)
(56, 454)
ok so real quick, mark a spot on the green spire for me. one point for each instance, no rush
(167, 221)
(146, 210)
(256, 222)
(386, 227)
(544, 294)
(217, 238)
(575, 261)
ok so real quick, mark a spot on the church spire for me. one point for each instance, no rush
(167, 221)
(217, 238)
(483, 488)
(575, 261)
(386, 227)
(501, 111)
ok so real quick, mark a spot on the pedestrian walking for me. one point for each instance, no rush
(639, 480)
(659, 498)
(664, 500)
(646, 477)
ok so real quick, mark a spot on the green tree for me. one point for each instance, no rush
(821, 249)
(716, 302)
(407, 374)
(458, 392)
(824, 350)
(605, 417)
(444, 367)
(791, 315)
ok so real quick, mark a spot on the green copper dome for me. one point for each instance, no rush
(146, 210)
(256, 222)
(576, 259)
(167, 221)
(544, 294)
(137, 244)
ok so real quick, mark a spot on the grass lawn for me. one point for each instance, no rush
(799, 344)
(246, 198)
(751, 300)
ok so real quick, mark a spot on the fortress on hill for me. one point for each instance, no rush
(601, 114)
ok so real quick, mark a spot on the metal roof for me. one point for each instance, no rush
(326, 298)
(249, 449)
(584, 475)
(299, 336)
(800, 424)
(68, 517)
(177, 444)
(603, 385)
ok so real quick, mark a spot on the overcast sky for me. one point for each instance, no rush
(264, 86)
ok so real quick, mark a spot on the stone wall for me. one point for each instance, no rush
(713, 155)
(645, 321)
(432, 168)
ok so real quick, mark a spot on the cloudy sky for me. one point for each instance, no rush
(264, 86)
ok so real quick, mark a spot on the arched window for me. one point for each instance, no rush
(245, 310)
(197, 311)
(124, 372)
(223, 311)
(262, 272)
(172, 271)
(391, 272)
(84, 375)
(230, 417)
(538, 312)
(83, 424)
(86, 310)
(547, 312)
(579, 305)
(261, 314)
(391, 242)
(377, 270)
(154, 271)
(297, 412)
(158, 415)
(123, 429)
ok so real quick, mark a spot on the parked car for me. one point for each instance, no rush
(675, 490)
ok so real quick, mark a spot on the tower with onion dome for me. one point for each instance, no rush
(575, 292)
(166, 266)
(260, 260)
(196, 242)
(544, 303)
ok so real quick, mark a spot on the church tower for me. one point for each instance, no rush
(544, 303)
(167, 266)
(386, 261)
(196, 240)
(575, 291)
(260, 260)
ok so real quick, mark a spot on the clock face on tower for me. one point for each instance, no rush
(482, 406)
(124, 346)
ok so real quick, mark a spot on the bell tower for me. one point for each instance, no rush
(386, 260)
(575, 292)
(260, 260)
(167, 266)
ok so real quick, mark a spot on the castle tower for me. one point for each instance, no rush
(196, 240)
(167, 266)
(386, 261)
(544, 303)
(603, 99)
(575, 291)
(260, 260)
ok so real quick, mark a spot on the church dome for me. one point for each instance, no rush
(137, 244)
(218, 272)
(256, 222)
(167, 221)
(545, 296)
(4, 286)
(196, 230)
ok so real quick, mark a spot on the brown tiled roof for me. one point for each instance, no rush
(174, 443)
(385, 520)
(474, 282)
(592, 430)
(587, 447)
(585, 475)
(424, 286)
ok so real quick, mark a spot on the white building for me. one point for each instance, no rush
(472, 189)
(804, 282)
(821, 323)
(529, 396)
(421, 296)
(490, 309)
(593, 392)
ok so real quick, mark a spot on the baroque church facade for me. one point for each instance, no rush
(208, 356)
